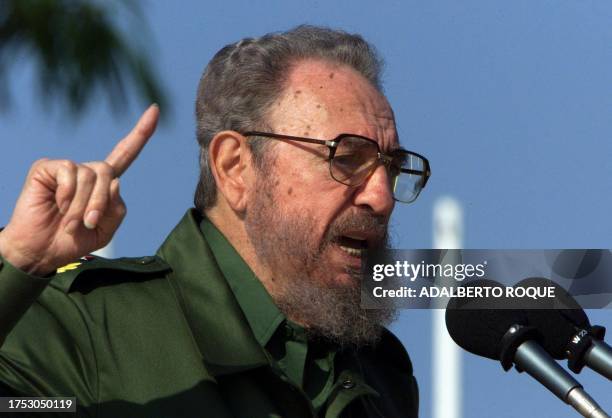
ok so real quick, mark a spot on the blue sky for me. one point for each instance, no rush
(510, 101)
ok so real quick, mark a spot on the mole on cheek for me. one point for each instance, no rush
(290, 191)
(331, 75)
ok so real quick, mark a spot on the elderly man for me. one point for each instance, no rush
(251, 306)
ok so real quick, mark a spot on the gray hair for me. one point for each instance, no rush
(244, 79)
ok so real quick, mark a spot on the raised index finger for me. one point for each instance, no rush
(126, 151)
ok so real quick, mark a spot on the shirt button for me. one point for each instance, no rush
(348, 384)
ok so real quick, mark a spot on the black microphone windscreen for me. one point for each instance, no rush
(477, 330)
(557, 320)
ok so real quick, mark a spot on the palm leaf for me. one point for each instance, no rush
(79, 51)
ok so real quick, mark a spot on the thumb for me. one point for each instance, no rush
(113, 216)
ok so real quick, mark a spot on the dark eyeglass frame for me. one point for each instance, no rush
(333, 144)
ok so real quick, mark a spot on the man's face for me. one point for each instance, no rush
(308, 230)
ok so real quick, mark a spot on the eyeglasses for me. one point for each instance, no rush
(353, 158)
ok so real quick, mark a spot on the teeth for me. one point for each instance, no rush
(351, 251)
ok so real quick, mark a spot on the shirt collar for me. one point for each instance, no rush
(223, 336)
(261, 313)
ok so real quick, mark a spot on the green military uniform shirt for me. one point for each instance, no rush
(190, 332)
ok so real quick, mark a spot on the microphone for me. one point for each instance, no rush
(566, 330)
(504, 334)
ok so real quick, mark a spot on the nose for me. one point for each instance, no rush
(376, 193)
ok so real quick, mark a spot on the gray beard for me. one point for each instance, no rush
(327, 311)
(334, 314)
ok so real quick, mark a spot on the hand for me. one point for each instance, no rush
(67, 210)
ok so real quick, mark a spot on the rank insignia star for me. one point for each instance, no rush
(74, 265)
(68, 267)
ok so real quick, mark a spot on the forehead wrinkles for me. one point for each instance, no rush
(355, 106)
(300, 109)
(377, 116)
(369, 115)
(323, 100)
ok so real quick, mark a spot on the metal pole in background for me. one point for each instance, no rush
(446, 355)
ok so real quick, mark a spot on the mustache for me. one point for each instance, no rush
(376, 228)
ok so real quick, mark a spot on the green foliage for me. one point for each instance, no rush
(79, 50)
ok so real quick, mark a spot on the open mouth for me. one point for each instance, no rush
(352, 246)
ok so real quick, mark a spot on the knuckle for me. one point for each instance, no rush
(102, 168)
(106, 170)
(40, 162)
(121, 210)
(68, 165)
(86, 173)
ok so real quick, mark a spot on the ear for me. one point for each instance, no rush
(229, 156)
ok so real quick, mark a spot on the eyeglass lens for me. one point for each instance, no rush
(356, 157)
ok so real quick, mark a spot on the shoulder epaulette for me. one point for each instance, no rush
(92, 271)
